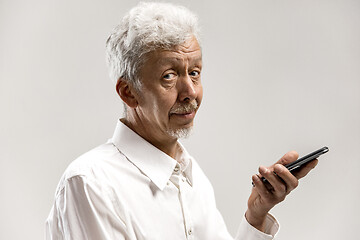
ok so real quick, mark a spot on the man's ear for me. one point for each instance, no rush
(127, 93)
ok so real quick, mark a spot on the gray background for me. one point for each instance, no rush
(278, 76)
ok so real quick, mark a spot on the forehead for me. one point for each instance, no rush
(189, 51)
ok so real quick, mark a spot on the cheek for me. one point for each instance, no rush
(200, 94)
(168, 102)
(163, 103)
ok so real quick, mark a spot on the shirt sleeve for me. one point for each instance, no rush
(84, 210)
(248, 232)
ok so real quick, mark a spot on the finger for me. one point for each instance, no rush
(289, 179)
(278, 185)
(288, 158)
(305, 169)
(260, 187)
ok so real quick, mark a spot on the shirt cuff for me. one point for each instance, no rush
(248, 232)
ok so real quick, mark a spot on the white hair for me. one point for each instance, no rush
(147, 27)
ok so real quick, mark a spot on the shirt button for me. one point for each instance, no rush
(177, 168)
(190, 231)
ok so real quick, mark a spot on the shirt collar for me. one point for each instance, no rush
(185, 161)
(155, 164)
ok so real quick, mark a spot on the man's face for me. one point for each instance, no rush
(171, 90)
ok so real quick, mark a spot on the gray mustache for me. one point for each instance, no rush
(184, 108)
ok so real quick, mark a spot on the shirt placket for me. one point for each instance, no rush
(183, 187)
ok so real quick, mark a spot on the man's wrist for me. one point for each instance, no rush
(257, 221)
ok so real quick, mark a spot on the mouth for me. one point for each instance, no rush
(185, 115)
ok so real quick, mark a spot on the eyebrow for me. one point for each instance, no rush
(175, 60)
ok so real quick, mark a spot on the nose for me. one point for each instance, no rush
(187, 89)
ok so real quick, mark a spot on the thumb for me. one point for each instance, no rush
(289, 157)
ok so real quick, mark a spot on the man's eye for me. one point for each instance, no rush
(195, 73)
(169, 76)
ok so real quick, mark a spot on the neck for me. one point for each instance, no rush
(166, 144)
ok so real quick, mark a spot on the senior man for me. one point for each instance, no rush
(142, 183)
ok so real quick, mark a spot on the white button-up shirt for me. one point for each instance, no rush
(129, 189)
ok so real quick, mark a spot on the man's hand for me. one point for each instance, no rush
(281, 182)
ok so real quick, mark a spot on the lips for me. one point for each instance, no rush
(184, 113)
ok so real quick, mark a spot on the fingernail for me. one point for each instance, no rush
(262, 169)
(278, 168)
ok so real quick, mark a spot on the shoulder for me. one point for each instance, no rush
(89, 161)
(90, 166)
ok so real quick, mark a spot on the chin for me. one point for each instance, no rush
(181, 132)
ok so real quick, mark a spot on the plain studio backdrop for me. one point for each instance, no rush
(278, 75)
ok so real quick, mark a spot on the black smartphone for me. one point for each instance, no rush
(303, 160)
